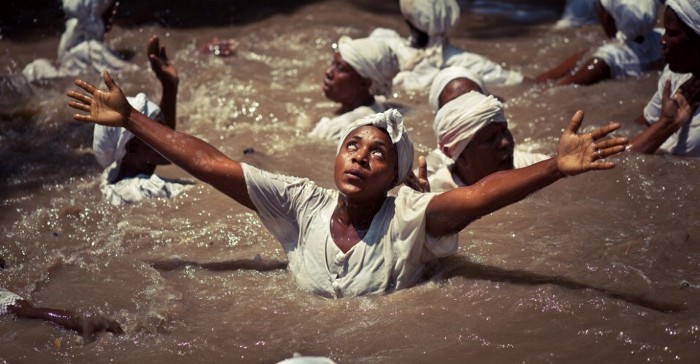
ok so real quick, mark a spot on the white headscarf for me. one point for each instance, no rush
(633, 18)
(458, 120)
(391, 121)
(447, 75)
(372, 59)
(435, 17)
(688, 11)
(109, 142)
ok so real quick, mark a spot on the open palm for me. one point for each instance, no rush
(108, 108)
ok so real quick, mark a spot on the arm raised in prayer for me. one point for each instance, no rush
(167, 75)
(452, 211)
(192, 154)
(675, 111)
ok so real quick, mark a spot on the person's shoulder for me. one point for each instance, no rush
(384, 33)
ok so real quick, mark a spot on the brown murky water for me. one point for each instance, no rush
(583, 271)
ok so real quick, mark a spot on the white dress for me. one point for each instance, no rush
(685, 141)
(394, 254)
(7, 299)
(134, 189)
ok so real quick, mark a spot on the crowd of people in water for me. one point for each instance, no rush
(392, 214)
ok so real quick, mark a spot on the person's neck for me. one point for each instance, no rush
(363, 100)
(359, 215)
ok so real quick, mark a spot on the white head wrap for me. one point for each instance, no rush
(109, 142)
(633, 18)
(458, 120)
(688, 11)
(435, 17)
(372, 59)
(391, 121)
(447, 75)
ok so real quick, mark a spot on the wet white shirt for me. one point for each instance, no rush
(685, 141)
(333, 128)
(134, 189)
(7, 299)
(629, 58)
(394, 253)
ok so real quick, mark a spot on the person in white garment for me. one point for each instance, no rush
(81, 49)
(356, 239)
(87, 324)
(428, 49)
(634, 46)
(130, 163)
(473, 142)
(672, 116)
(578, 13)
(360, 79)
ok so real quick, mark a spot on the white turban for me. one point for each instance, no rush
(447, 75)
(109, 142)
(372, 59)
(458, 120)
(435, 17)
(688, 11)
(391, 121)
(633, 18)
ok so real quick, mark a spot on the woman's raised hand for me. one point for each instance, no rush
(108, 108)
(578, 153)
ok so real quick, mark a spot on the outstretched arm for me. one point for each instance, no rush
(167, 74)
(86, 324)
(562, 69)
(452, 211)
(675, 111)
(592, 71)
(194, 155)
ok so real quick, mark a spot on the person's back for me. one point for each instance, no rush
(428, 49)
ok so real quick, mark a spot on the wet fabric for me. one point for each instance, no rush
(457, 122)
(7, 299)
(687, 11)
(685, 141)
(372, 59)
(137, 188)
(447, 75)
(81, 48)
(332, 128)
(394, 254)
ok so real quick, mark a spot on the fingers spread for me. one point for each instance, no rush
(86, 86)
(80, 97)
(82, 117)
(79, 106)
(604, 130)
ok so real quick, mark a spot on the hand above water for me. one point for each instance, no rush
(108, 108)
(160, 64)
(578, 153)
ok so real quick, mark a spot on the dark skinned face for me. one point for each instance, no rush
(343, 84)
(680, 45)
(490, 151)
(366, 165)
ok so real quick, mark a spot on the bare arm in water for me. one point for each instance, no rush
(192, 154)
(452, 211)
(591, 71)
(86, 324)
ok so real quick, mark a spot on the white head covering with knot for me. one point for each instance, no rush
(447, 75)
(688, 11)
(458, 120)
(435, 17)
(109, 142)
(372, 59)
(391, 121)
(633, 18)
